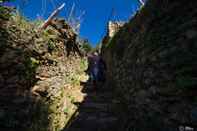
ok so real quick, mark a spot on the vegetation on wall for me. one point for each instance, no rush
(34, 74)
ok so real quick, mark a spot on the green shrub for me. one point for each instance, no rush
(51, 46)
(31, 65)
(83, 64)
(5, 13)
(86, 47)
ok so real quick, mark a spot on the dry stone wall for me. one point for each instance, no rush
(35, 75)
(151, 65)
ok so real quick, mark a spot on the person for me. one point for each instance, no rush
(93, 68)
(96, 69)
(89, 70)
(102, 70)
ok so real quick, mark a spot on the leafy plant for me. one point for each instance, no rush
(21, 21)
(83, 64)
(51, 46)
(5, 12)
(86, 47)
(72, 99)
(31, 65)
(66, 110)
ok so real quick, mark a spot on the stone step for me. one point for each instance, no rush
(98, 99)
(100, 95)
(100, 116)
(73, 129)
(94, 122)
(93, 105)
(97, 114)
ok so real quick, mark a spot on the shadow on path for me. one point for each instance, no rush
(95, 112)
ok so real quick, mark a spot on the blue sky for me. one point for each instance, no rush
(96, 16)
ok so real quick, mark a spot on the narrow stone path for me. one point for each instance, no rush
(95, 112)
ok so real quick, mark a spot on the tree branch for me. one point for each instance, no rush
(50, 18)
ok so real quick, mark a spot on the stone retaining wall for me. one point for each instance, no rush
(152, 66)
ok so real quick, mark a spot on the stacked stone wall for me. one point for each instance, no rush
(151, 64)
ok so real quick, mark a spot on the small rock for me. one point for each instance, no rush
(19, 100)
(187, 128)
(39, 90)
(12, 80)
(2, 114)
(194, 114)
(1, 79)
(191, 34)
(153, 90)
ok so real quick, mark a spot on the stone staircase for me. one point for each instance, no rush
(95, 113)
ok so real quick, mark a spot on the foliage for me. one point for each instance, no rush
(51, 46)
(86, 47)
(31, 54)
(83, 64)
(5, 12)
(109, 43)
(31, 65)
(21, 21)
(72, 99)
(66, 111)
(97, 48)
(75, 80)
(37, 22)
(5, 0)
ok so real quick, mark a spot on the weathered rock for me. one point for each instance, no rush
(152, 68)
(33, 79)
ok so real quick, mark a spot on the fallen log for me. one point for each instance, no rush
(50, 18)
(141, 2)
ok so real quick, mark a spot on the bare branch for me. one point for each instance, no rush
(142, 2)
(71, 12)
(50, 18)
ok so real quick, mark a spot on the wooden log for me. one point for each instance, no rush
(141, 2)
(50, 18)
